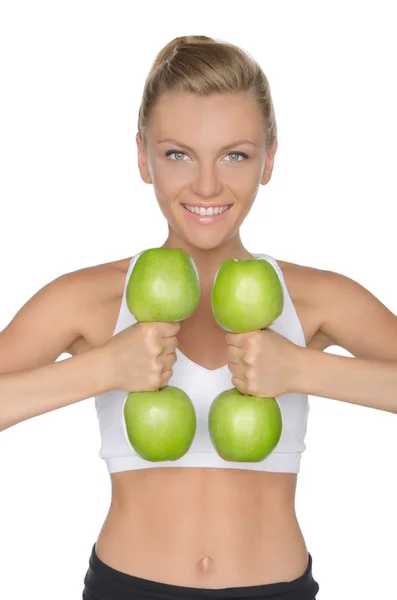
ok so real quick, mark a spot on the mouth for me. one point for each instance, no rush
(202, 215)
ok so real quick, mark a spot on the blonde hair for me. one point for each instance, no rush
(203, 65)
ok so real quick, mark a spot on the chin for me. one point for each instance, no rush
(209, 242)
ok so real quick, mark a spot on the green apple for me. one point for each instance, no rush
(247, 295)
(160, 425)
(244, 428)
(163, 286)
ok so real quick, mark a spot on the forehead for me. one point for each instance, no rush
(216, 116)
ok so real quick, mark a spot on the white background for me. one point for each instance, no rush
(72, 75)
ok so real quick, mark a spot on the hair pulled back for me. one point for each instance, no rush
(202, 65)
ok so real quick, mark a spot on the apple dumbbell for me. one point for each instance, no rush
(246, 296)
(163, 287)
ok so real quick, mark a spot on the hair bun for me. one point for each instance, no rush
(170, 48)
(194, 39)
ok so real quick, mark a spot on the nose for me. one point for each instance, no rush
(207, 183)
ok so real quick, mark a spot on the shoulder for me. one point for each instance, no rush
(95, 293)
(334, 301)
(312, 283)
(344, 309)
(102, 282)
(313, 292)
(302, 281)
(72, 313)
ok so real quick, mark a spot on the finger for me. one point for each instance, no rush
(169, 345)
(236, 339)
(165, 377)
(237, 370)
(240, 384)
(168, 361)
(234, 354)
(169, 329)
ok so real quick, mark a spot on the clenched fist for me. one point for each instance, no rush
(263, 363)
(141, 357)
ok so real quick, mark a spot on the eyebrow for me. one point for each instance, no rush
(233, 144)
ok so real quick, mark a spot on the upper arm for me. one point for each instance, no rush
(354, 318)
(46, 326)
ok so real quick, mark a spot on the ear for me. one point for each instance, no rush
(142, 161)
(267, 173)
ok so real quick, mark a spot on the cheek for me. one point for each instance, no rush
(244, 177)
(245, 187)
(170, 176)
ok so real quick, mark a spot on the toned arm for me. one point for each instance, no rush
(370, 383)
(32, 392)
(44, 328)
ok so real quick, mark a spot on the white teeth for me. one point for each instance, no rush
(207, 212)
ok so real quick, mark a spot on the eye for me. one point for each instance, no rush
(242, 154)
(175, 152)
(237, 154)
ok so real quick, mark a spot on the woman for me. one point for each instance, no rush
(200, 524)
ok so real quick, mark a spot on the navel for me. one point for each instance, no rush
(204, 564)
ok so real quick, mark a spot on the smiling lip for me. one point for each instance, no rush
(205, 220)
(208, 204)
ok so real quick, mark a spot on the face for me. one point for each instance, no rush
(205, 154)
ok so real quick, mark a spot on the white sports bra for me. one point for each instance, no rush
(202, 386)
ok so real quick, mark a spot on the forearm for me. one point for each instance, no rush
(32, 392)
(371, 383)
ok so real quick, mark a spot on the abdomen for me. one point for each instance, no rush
(204, 527)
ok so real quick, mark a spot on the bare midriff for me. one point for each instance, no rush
(204, 527)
